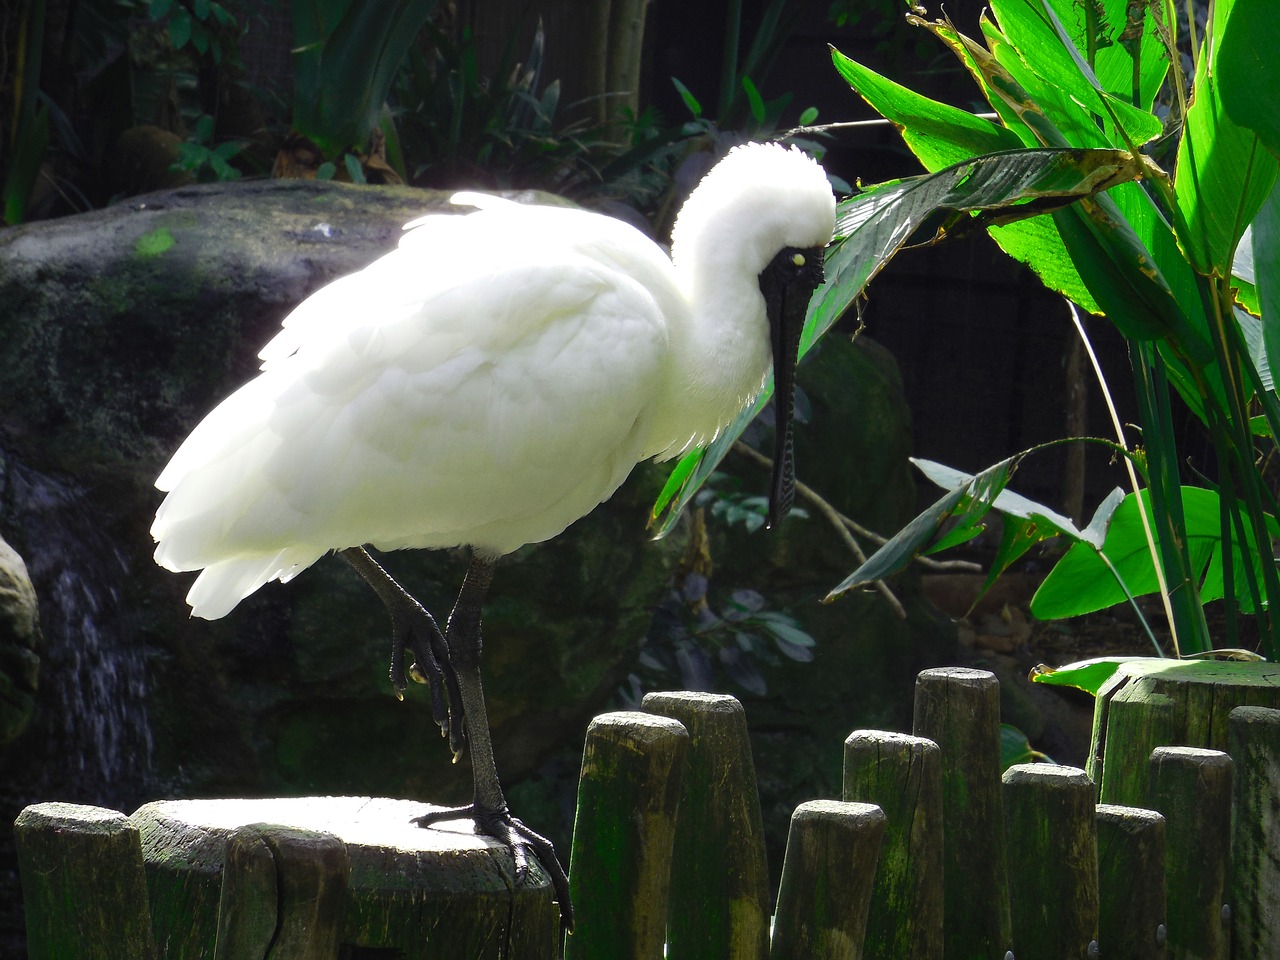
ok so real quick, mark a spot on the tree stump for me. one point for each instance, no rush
(314, 877)
(1156, 703)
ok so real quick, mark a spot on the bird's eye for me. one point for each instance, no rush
(797, 259)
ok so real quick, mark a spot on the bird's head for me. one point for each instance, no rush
(764, 213)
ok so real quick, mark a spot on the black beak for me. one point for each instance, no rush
(788, 283)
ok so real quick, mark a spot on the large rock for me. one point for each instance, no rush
(19, 643)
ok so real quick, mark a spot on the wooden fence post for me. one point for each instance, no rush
(827, 876)
(959, 710)
(903, 776)
(719, 904)
(1254, 738)
(83, 886)
(284, 894)
(1131, 897)
(1192, 788)
(1051, 838)
(1137, 721)
(628, 795)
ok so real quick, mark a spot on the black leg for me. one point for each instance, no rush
(414, 627)
(489, 806)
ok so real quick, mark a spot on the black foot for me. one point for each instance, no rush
(521, 841)
(415, 629)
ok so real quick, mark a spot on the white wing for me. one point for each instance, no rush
(453, 392)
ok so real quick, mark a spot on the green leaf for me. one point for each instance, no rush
(345, 56)
(1266, 274)
(1249, 70)
(354, 170)
(690, 101)
(1057, 73)
(1082, 583)
(754, 99)
(938, 134)
(1224, 173)
(1086, 675)
(968, 500)
(179, 28)
(809, 117)
(1016, 748)
(1129, 58)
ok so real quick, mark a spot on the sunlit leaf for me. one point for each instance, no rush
(1086, 675)
(1249, 70)
(1081, 581)
(1224, 172)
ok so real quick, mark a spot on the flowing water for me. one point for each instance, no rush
(91, 716)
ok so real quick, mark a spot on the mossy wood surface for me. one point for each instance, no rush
(903, 776)
(719, 905)
(1191, 787)
(424, 893)
(1254, 740)
(628, 795)
(82, 884)
(827, 877)
(959, 710)
(1050, 836)
(1152, 703)
(1132, 922)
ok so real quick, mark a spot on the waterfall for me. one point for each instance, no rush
(96, 744)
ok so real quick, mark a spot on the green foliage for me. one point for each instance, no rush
(1016, 748)
(1121, 236)
(345, 59)
(208, 161)
(501, 130)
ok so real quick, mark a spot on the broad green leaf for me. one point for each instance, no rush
(345, 57)
(1086, 675)
(872, 226)
(1249, 70)
(940, 134)
(1224, 172)
(1049, 54)
(1082, 583)
(937, 133)
(1015, 748)
(968, 499)
(1038, 244)
(1129, 58)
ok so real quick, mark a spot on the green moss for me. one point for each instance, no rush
(154, 243)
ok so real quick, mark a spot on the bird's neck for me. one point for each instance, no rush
(720, 355)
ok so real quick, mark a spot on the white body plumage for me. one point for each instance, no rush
(488, 382)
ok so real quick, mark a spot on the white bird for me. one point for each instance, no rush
(485, 384)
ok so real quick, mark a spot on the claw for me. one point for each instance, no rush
(521, 841)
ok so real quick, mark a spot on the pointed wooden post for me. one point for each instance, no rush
(1254, 738)
(719, 877)
(1051, 837)
(959, 710)
(619, 874)
(1131, 916)
(1192, 788)
(83, 887)
(903, 776)
(827, 876)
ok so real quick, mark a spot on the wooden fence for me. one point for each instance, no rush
(931, 852)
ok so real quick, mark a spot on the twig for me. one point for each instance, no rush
(846, 527)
